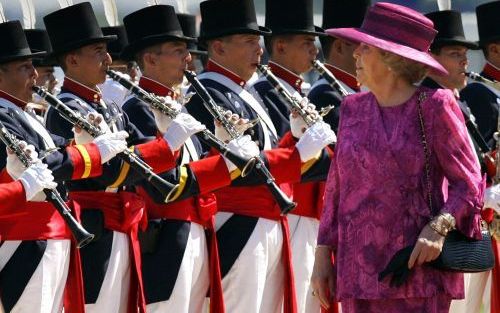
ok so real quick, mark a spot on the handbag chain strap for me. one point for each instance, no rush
(421, 98)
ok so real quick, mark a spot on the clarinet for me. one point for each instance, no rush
(245, 165)
(136, 163)
(293, 102)
(82, 237)
(285, 204)
(477, 77)
(330, 78)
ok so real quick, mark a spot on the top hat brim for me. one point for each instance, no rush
(483, 42)
(360, 36)
(442, 42)
(132, 48)
(44, 60)
(81, 43)
(318, 31)
(22, 56)
(262, 31)
(198, 52)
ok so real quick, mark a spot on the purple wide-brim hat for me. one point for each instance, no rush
(397, 29)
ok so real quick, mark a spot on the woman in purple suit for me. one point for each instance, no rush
(377, 194)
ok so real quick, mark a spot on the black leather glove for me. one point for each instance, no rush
(398, 266)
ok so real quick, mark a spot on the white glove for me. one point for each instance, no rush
(243, 147)
(314, 140)
(162, 120)
(241, 125)
(297, 124)
(492, 198)
(182, 127)
(35, 179)
(96, 119)
(110, 144)
(14, 166)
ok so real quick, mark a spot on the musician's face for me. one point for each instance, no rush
(343, 53)
(169, 62)
(454, 60)
(46, 77)
(239, 53)
(494, 53)
(88, 64)
(17, 78)
(296, 52)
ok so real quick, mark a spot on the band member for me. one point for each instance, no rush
(253, 238)
(38, 40)
(481, 98)
(291, 51)
(484, 100)
(177, 272)
(36, 254)
(337, 53)
(450, 49)
(113, 92)
(111, 263)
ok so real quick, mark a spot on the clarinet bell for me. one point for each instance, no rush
(83, 238)
(325, 110)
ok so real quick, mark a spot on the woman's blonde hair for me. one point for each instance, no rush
(409, 70)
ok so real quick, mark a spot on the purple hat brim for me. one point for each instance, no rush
(359, 36)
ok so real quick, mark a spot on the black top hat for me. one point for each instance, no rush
(38, 40)
(74, 27)
(229, 17)
(150, 26)
(487, 22)
(298, 18)
(448, 23)
(188, 25)
(115, 47)
(344, 13)
(14, 44)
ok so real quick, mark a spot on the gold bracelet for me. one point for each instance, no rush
(442, 223)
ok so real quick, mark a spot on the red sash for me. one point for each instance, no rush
(258, 202)
(200, 210)
(123, 212)
(38, 221)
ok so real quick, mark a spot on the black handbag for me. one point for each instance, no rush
(460, 253)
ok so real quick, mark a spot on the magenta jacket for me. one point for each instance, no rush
(374, 199)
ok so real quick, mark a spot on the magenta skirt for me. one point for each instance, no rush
(437, 304)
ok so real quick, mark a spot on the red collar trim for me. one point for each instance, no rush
(20, 103)
(492, 71)
(82, 91)
(291, 78)
(212, 66)
(344, 77)
(151, 85)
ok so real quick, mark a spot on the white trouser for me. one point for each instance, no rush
(113, 296)
(476, 294)
(255, 282)
(303, 235)
(191, 286)
(44, 291)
